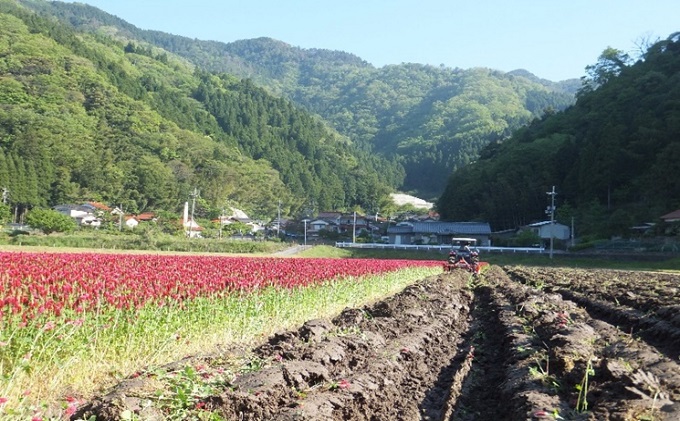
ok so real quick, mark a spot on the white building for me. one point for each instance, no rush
(546, 230)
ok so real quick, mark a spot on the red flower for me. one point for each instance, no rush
(33, 284)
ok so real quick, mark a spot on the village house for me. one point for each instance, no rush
(87, 214)
(131, 222)
(321, 225)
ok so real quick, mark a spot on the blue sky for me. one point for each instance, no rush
(554, 39)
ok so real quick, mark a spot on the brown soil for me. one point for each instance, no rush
(516, 344)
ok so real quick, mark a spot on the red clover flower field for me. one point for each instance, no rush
(34, 285)
(71, 323)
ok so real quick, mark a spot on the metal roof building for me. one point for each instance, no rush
(437, 232)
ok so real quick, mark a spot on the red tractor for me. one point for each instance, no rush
(464, 255)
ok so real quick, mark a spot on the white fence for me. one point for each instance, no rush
(439, 247)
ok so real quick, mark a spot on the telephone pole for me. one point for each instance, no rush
(278, 221)
(120, 218)
(551, 212)
(305, 221)
(193, 196)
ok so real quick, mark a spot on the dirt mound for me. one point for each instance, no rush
(509, 345)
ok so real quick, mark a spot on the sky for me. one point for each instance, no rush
(553, 39)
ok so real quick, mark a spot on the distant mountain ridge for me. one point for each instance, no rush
(569, 85)
(432, 119)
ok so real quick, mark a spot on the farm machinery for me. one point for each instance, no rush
(464, 255)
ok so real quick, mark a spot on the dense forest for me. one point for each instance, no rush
(95, 108)
(614, 156)
(88, 117)
(430, 120)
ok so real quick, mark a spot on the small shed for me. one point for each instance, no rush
(548, 229)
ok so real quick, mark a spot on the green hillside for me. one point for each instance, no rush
(614, 156)
(90, 117)
(432, 120)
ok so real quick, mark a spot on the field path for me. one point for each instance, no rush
(291, 251)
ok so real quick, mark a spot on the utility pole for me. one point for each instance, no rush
(305, 221)
(120, 218)
(193, 196)
(551, 212)
(354, 229)
(278, 221)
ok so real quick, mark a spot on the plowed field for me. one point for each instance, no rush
(518, 343)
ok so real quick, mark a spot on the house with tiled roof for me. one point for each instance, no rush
(329, 216)
(671, 217)
(145, 216)
(99, 206)
(437, 232)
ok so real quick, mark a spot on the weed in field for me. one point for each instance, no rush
(538, 284)
(475, 282)
(340, 384)
(523, 351)
(543, 375)
(582, 400)
(186, 389)
(554, 414)
(346, 331)
(299, 394)
(529, 330)
(253, 364)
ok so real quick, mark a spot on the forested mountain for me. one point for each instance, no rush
(88, 117)
(433, 120)
(614, 156)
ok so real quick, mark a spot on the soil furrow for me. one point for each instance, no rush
(657, 325)
(658, 333)
(626, 378)
(438, 351)
(478, 398)
(653, 293)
